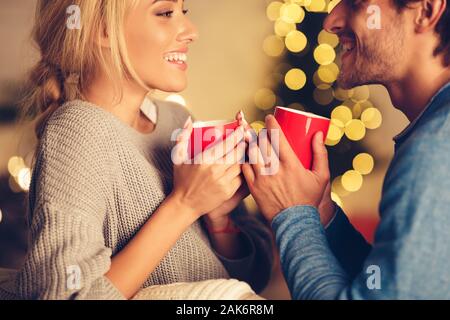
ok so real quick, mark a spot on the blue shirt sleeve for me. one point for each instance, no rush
(410, 256)
(347, 244)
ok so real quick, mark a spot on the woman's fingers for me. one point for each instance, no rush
(216, 152)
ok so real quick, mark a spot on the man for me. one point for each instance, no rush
(410, 258)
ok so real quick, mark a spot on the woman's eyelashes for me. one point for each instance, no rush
(168, 14)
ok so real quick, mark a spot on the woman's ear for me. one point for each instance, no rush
(429, 12)
(103, 40)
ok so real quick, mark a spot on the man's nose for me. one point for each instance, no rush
(335, 21)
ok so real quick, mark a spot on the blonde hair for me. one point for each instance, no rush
(70, 57)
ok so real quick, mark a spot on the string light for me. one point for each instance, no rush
(352, 181)
(355, 113)
(363, 163)
(295, 79)
(265, 99)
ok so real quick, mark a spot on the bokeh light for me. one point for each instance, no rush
(352, 181)
(295, 79)
(296, 41)
(273, 46)
(372, 118)
(363, 163)
(265, 99)
(355, 130)
(324, 54)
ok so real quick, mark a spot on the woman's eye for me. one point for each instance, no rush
(166, 14)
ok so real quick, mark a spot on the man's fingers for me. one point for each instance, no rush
(249, 175)
(234, 171)
(255, 158)
(320, 156)
(278, 139)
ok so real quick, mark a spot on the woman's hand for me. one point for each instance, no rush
(212, 179)
(218, 219)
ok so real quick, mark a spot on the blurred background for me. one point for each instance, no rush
(252, 55)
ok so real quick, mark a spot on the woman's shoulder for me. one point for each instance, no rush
(175, 113)
(80, 121)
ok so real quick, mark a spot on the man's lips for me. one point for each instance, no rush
(348, 45)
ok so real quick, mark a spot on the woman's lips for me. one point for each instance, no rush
(177, 59)
(179, 64)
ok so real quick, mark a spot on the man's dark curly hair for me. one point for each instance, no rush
(442, 28)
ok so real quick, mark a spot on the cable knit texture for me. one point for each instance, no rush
(95, 183)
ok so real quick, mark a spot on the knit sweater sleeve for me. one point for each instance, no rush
(67, 257)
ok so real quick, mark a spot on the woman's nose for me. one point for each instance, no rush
(335, 21)
(189, 32)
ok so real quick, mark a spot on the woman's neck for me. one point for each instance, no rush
(126, 107)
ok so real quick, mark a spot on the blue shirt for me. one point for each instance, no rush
(410, 258)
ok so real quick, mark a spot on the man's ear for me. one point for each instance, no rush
(429, 12)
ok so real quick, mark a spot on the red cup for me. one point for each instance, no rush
(206, 133)
(299, 128)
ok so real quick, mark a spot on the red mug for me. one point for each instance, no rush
(206, 133)
(299, 128)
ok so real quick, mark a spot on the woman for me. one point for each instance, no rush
(109, 212)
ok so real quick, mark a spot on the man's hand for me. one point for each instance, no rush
(291, 184)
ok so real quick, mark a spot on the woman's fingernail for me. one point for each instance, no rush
(240, 115)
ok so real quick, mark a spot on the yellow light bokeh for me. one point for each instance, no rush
(372, 118)
(355, 130)
(295, 79)
(258, 126)
(24, 179)
(273, 10)
(336, 199)
(361, 94)
(324, 54)
(327, 73)
(343, 114)
(352, 181)
(337, 187)
(15, 164)
(323, 97)
(282, 28)
(335, 133)
(319, 83)
(342, 94)
(363, 163)
(317, 6)
(292, 13)
(265, 99)
(296, 41)
(273, 46)
(328, 38)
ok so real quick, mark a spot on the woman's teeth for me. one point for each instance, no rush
(176, 57)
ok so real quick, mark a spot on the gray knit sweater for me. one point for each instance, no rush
(95, 183)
